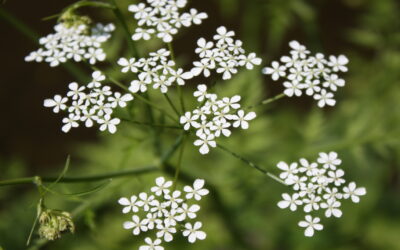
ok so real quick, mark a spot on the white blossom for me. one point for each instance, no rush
(164, 211)
(72, 42)
(311, 224)
(314, 75)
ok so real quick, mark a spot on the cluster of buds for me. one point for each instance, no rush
(52, 223)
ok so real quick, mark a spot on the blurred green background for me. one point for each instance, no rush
(241, 213)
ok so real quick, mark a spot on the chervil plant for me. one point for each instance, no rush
(163, 86)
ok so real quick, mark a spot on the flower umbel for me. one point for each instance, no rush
(93, 103)
(214, 118)
(73, 42)
(317, 76)
(317, 187)
(165, 211)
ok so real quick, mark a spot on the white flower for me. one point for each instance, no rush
(128, 65)
(144, 34)
(166, 231)
(330, 160)
(70, 122)
(353, 192)
(95, 55)
(249, 61)
(197, 191)
(144, 201)
(332, 208)
(189, 120)
(203, 47)
(137, 225)
(324, 98)
(162, 186)
(293, 88)
(288, 171)
(290, 201)
(241, 119)
(336, 177)
(151, 245)
(193, 233)
(173, 199)
(186, 211)
(224, 36)
(298, 49)
(311, 203)
(275, 70)
(130, 205)
(311, 224)
(204, 142)
(201, 92)
(338, 63)
(57, 103)
(108, 123)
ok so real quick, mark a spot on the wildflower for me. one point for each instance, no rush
(163, 19)
(72, 42)
(311, 224)
(225, 55)
(313, 74)
(214, 118)
(93, 103)
(163, 210)
(316, 187)
(193, 233)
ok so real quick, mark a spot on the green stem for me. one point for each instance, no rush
(267, 101)
(180, 93)
(251, 164)
(178, 166)
(118, 14)
(152, 124)
(172, 104)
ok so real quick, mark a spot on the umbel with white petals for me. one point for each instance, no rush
(166, 211)
(317, 186)
(89, 104)
(215, 117)
(77, 42)
(314, 75)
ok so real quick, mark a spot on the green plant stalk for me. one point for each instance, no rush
(118, 14)
(251, 164)
(180, 93)
(152, 124)
(179, 164)
(267, 101)
(172, 104)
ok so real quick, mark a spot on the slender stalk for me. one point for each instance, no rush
(172, 104)
(118, 14)
(251, 164)
(267, 101)
(152, 124)
(178, 166)
(180, 93)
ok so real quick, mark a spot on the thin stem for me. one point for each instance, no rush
(118, 14)
(267, 101)
(180, 93)
(152, 124)
(251, 164)
(172, 104)
(178, 166)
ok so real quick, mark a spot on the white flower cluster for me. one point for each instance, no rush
(76, 42)
(163, 18)
(157, 69)
(224, 55)
(214, 118)
(88, 104)
(317, 187)
(166, 211)
(316, 75)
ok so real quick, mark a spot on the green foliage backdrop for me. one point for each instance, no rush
(241, 213)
